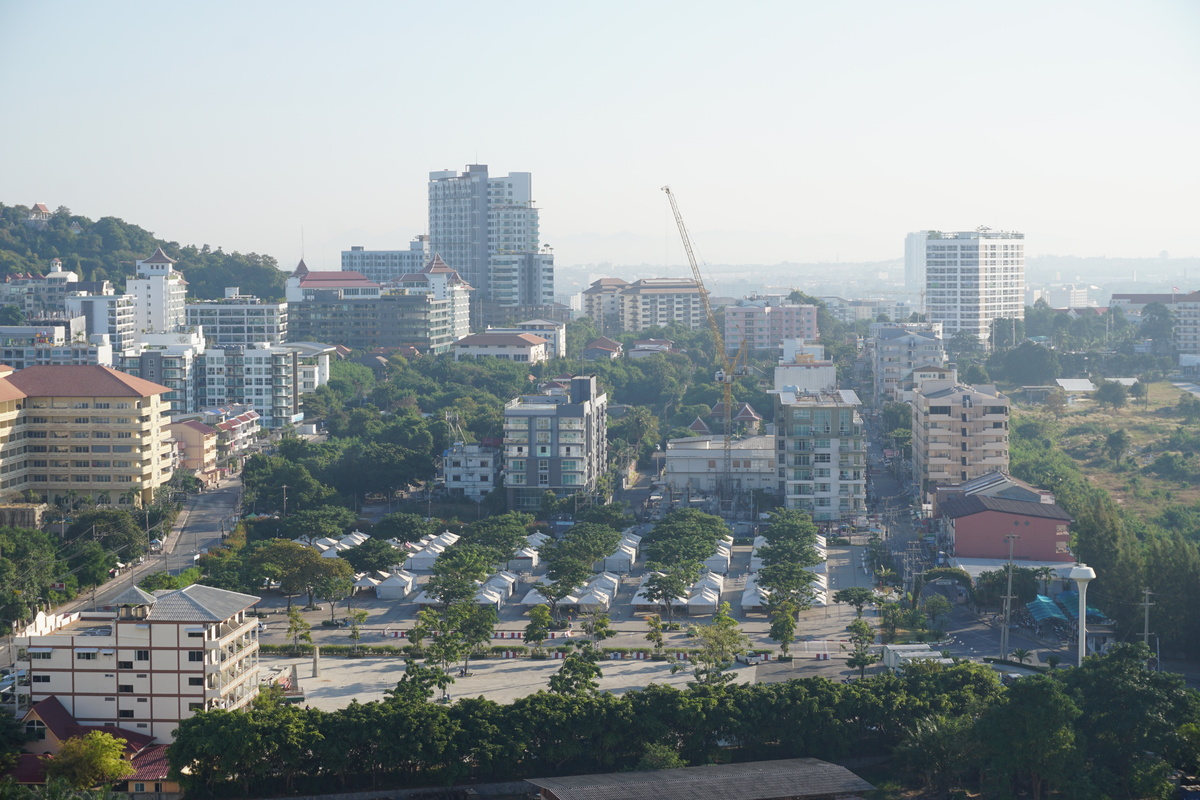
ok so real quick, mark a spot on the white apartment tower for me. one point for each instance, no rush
(973, 278)
(822, 464)
(914, 260)
(159, 294)
(486, 228)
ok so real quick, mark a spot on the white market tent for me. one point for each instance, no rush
(719, 561)
(489, 596)
(395, 587)
(606, 581)
(711, 580)
(524, 560)
(355, 538)
(505, 582)
(704, 601)
(534, 598)
(621, 560)
(753, 596)
(537, 539)
(594, 599)
(366, 582)
(332, 552)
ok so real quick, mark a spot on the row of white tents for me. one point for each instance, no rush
(387, 585)
(703, 597)
(424, 553)
(755, 596)
(494, 591)
(526, 558)
(595, 595)
(624, 557)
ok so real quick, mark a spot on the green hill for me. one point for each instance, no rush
(106, 249)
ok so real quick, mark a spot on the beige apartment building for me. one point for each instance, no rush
(156, 660)
(83, 432)
(960, 432)
(198, 448)
(615, 305)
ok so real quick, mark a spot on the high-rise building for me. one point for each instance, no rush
(486, 228)
(159, 294)
(385, 266)
(914, 260)
(973, 278)
(960, 432)
(822, 453)
(898, 350)
(170, 359)
(105, 314)
(555, 442)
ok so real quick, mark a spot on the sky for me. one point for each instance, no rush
(791, 131)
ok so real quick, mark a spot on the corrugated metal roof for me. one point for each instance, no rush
(978, 503)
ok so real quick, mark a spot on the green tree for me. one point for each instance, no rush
(1028, 739)
(937, 608)
(580, 672)
(403, 527)
(717, 645)
(1021, 655)
(1031, 364)
(655, 633)
(1112, 394)
(90, 760)
(659, 756)
(331, 579)
(782, 615)
(373, 555)
(857, 596)
(665, 588)
(538, 628)
(298, 629)
(862, 636)
(357, 618)
(939, 751)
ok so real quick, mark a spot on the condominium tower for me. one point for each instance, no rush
(486, 228)
(973, 278)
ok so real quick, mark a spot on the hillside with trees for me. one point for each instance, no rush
(107, 249)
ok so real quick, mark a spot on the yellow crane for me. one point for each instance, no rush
(729, 370)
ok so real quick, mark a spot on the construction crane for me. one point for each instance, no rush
(729, 370)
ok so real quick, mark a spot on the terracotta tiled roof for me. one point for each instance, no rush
(699, 426)
(197, 425)
(333, 279)
(81, 380)
(159, 257)
(150, 764)
(437, 265)
(29, 769)
(41, 207)
(501, 338)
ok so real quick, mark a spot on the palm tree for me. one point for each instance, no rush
(886, 575)
(1020, 654)
(1045, 574)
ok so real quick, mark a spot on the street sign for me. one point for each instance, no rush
(58, 586)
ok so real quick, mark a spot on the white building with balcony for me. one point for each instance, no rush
(696, 464)
(822, 454)
(155, 661)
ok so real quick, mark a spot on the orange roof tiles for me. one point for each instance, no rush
(81, 380)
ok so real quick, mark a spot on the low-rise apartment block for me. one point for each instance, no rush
(764, 322)
(555, 442)
(239, 319)
(524, 347)
(155, 661)
(960, 432)
(616, 305)
(471, 470)
(897, 352)
(696, 464)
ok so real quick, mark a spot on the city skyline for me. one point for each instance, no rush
(791, 132)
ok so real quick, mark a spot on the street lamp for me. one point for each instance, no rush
(1081, 574)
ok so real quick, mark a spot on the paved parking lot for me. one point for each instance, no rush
(820, 631)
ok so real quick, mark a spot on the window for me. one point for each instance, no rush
(195, 634)
(195, 655)
(125, 712)
(194, 681)
(85, 656)
(40, 679)
(124, 665)
(195, 706)
(36, 728)
(141, 655)
(36, 656)
(126, 688)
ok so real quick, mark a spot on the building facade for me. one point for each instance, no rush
(524, 347)
(38, 295)
(171, 359)
(159, 295)
(385, 266)
(555, 442)
(262, 378)
(555, 334)
(960, 432)
(973, 278)
(822, 456)
(154, 662)
(487, 228)
(979, 527)
(914, 260)
(86, 433)
(471, 470)
(111, 315)
(896, 353)
(239, 319)
(696, 464)
(765, 322)
(601, 303)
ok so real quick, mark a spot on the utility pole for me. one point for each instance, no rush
(1008, 598)
(285, 488)
(1145, 604)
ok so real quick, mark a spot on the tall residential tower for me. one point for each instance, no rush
(973, 278)
(486, 228)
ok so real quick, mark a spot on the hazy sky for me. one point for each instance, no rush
(790, 131)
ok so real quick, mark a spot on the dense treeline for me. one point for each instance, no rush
(1109, 729)
(106, 249)
(1129, 554)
